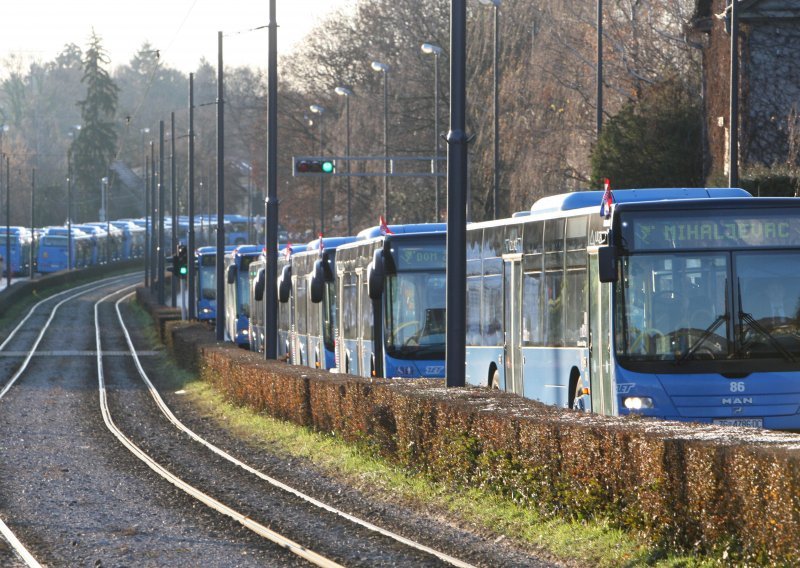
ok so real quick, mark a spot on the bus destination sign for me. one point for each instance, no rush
(420, 257)
(727, 229)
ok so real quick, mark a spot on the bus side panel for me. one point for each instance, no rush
(479, 364)
(283, 344)
(367, 352)
(316, 355)
(418, 368)
(351, 363)
(329, 357)
(242, 330)
(547, 371)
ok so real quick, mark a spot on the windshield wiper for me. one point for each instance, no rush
(751, 321)
(709, 331)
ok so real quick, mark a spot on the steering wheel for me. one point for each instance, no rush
(704, 352)
(646, 332)
(414, 325)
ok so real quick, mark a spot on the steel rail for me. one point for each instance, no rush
(274, 482)
(59, 294)
(7, 533)
(204, 498)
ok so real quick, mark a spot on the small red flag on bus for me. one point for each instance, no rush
(385, 230)
(607, 200)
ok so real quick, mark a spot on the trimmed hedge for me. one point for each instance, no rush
(688, 487)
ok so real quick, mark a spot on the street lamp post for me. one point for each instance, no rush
(316, 109)
(71, 134)
(104, 215)
(347, 93)
(383, 68)
(495, 105)
(436, 51)
(4, 158)
(146, 188)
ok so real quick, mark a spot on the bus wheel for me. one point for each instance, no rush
(494, 378)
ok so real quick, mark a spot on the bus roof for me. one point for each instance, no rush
(211, 249)
(329, 242)
(248, 250)
(584, 199)
(375, 231)
(294, 249)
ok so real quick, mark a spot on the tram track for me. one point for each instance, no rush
(99, 397)
(11, 538)
(274, 483)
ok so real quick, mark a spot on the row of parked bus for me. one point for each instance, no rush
(51, 249)
(659, 305)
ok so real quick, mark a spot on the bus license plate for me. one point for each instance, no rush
(745, 422)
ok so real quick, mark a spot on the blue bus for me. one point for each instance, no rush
(286, 312)
(206, 293)
(237, 292)
(391, 302)
(257, 328)
(15, 248)
(133, 236)
(53, 250)
(314, 292)
(662, 309)
(236, 229)
(98, 237)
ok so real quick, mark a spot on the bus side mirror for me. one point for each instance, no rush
(607, 264)
(317, 285)
(285, 284)
(258, 285)
(231, 274)
(375, 276)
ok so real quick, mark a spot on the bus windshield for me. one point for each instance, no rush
(415, 315)
(208, 281)
(243, 286)
(728, 311)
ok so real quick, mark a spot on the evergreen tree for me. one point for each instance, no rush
(655, 141)
(95, 147)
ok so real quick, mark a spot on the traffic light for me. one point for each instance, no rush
(180, 262)
(183, 261)
(315, 167)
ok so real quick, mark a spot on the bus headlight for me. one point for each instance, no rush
(637, 402)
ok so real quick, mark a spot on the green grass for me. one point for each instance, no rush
(576, 543)
(584, 543)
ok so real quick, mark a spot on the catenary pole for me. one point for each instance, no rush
(271, 204)
(457, 141)
(220, 319)
(192, 245)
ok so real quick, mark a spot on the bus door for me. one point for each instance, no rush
(512, 342)
(602, 389)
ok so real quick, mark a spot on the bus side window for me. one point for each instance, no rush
(531, 308)
(474, 311)
(493, 310)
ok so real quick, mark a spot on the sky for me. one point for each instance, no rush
(183, 31)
